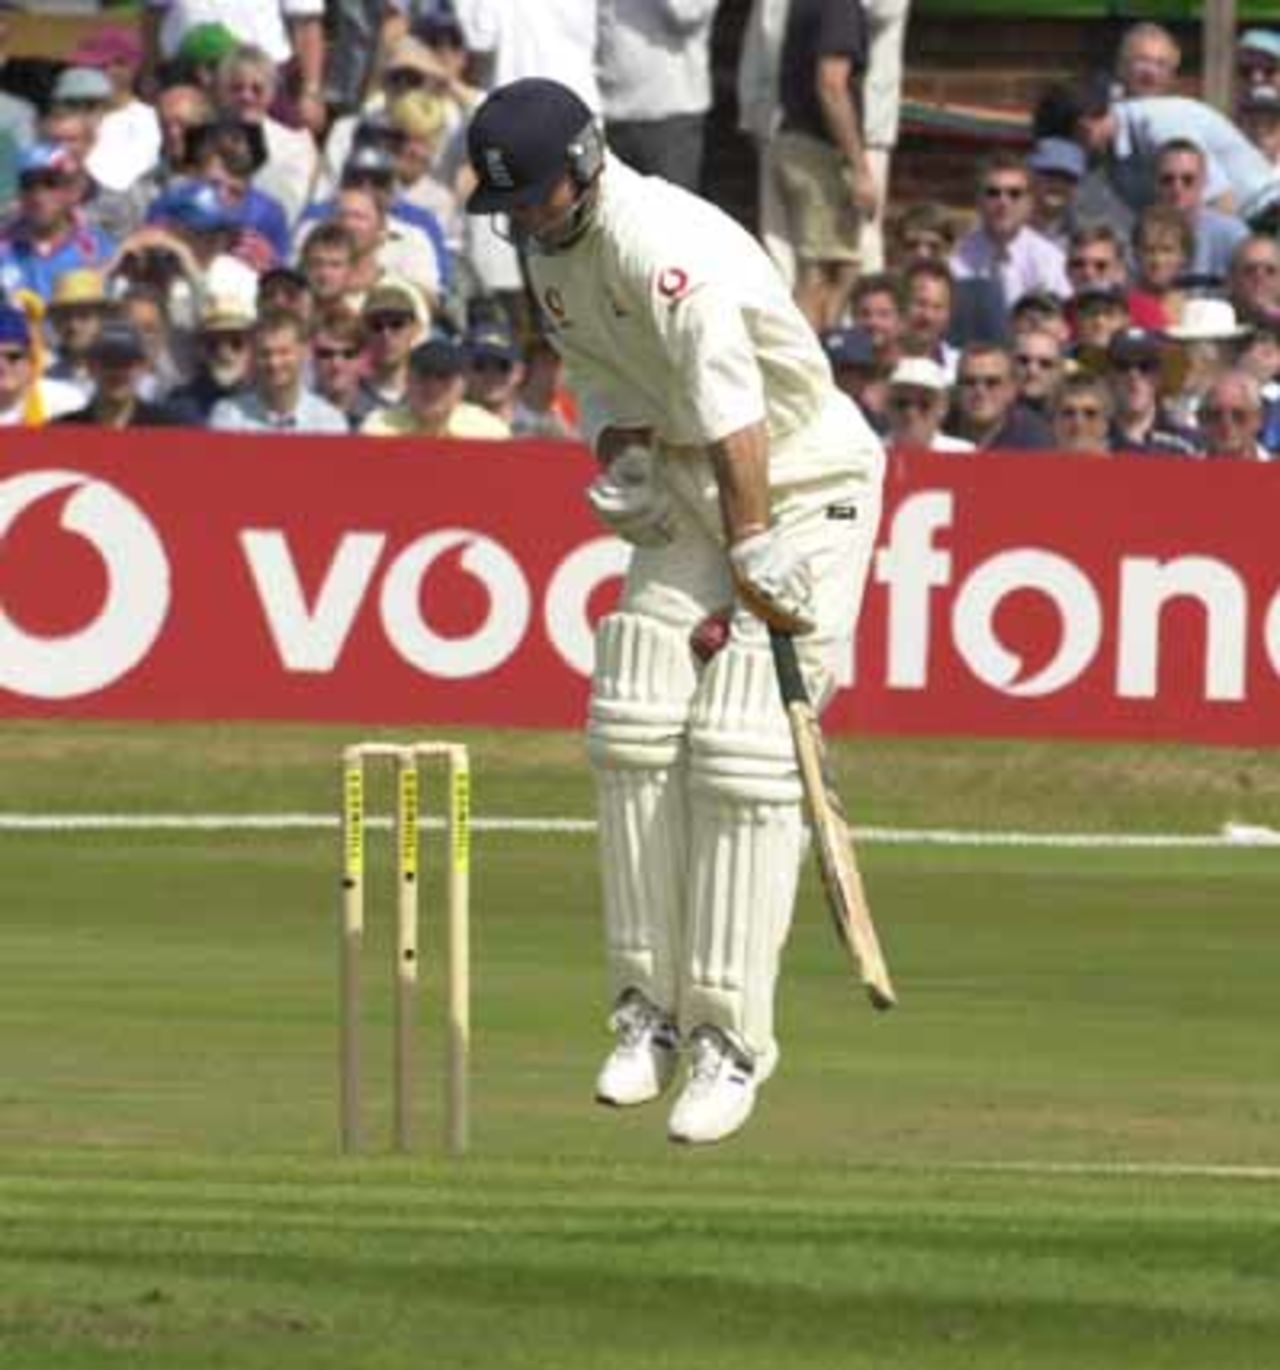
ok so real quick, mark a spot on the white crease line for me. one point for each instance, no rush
(1233, 835)
(1172, 1170)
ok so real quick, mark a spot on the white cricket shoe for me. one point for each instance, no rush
(721, 1090)
(644, 1061)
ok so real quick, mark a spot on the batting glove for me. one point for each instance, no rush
(628, 496)
(773, 581)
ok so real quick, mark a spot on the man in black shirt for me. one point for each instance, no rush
(117, 363)
(988, 412)
(818, 158)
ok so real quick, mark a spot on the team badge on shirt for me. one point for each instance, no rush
(673, 281)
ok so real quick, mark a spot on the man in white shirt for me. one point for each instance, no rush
(1004, 247)
(655, 80)
(749, 487)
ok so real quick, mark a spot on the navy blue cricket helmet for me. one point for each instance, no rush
(523, 138)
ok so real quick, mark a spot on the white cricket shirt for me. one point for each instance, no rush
(670, 316)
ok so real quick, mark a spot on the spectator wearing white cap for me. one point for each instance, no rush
(1208, 338)
(918, 399)
(1258, 59)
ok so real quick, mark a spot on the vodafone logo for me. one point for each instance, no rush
(133, 609)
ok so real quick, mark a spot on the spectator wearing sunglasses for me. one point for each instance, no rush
(1039, 366)
(1127, 135)
(1138, 370)
(244, 92)
(1254, 278)
(338, 341)
(285, 33)
(1230, 418)
(918, 397)
(495, 371)
(1081, 416)
(1181, 176)
(1258, 114)
(1258, 59)
(224, 340)
(1096, 262)
(1057, 167)
(409, 66)
(395, 321)
(988, 412)
(435, 403)
(28, 398)
(49, 234)
(118, 363)
(1004, 247)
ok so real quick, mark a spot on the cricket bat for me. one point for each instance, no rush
(832, 837)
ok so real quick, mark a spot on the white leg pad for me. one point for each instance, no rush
(747, 840)
(644, 679)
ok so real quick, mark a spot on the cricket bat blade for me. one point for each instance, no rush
(833, 840)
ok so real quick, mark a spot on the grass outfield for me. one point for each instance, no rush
(1014, 1170)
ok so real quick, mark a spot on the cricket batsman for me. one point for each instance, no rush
(749, 486)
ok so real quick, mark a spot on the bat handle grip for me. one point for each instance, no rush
(787, 665)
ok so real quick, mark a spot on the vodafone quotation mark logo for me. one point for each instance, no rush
(133, 610)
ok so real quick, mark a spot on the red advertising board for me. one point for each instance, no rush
(192, 575)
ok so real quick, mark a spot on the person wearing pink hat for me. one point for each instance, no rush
(127, 146)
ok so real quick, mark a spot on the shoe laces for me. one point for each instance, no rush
(712, 1051)
(635, 1020)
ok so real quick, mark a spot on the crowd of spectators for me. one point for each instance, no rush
(1114, 289)
(218, 216)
